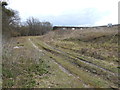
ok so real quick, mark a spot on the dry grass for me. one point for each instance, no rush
(82, 52)
(89, 33)
(20, 65)
(97, 46)
(93, 80)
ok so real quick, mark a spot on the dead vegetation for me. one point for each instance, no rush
(20, 65)
(90, 56)
(98, 47)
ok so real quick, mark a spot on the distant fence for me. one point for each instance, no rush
(68, 27)
(81, 28)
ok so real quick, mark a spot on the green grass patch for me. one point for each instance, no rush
(75, 70)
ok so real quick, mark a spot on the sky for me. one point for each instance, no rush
(68, 12)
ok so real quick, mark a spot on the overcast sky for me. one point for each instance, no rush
(69, 12)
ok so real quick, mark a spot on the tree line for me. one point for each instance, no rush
(34, 27)
(13, 27)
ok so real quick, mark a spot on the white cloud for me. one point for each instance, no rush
(56, 8)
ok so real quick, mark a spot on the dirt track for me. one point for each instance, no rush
(65, 69)
(60, 66)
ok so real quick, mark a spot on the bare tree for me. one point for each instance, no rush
(38, 28)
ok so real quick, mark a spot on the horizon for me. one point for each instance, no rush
(85, 26)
